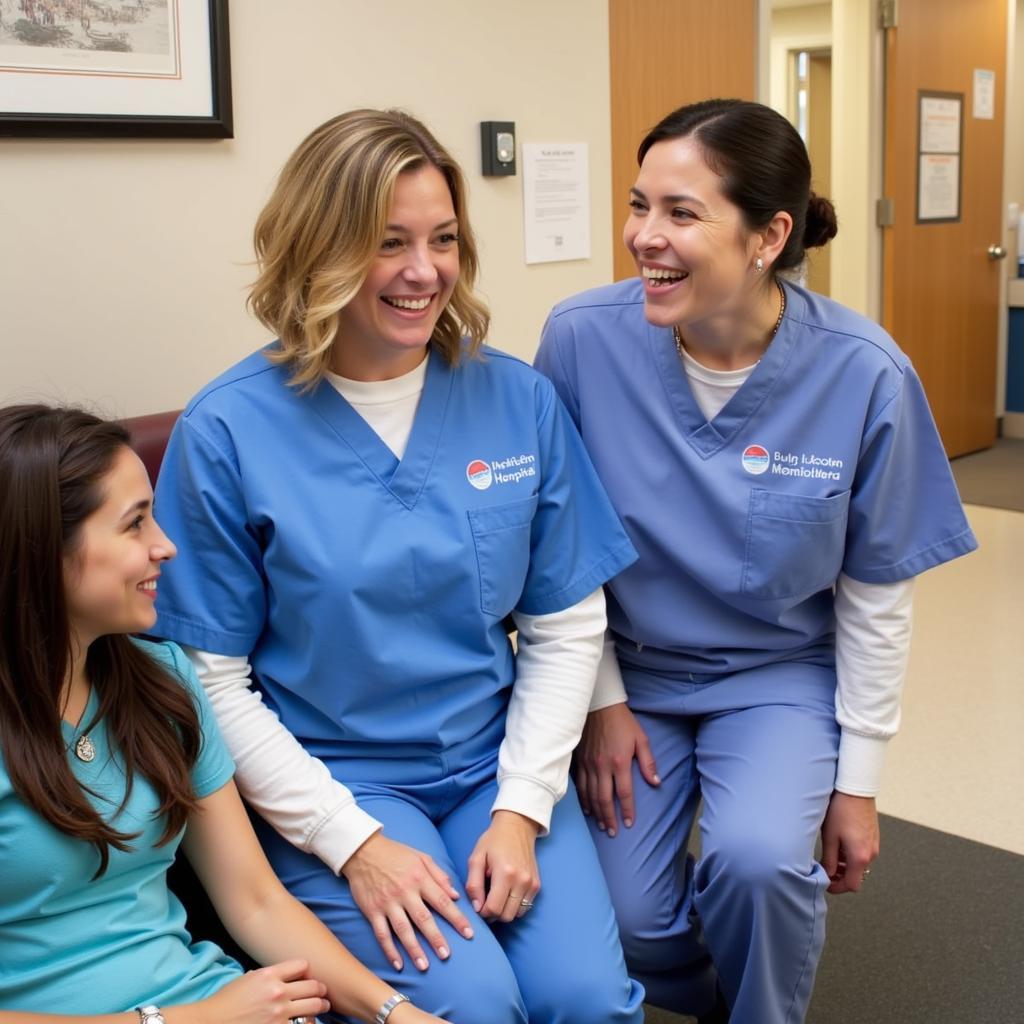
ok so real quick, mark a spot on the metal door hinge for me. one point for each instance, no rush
(885, 212)
(887, 13)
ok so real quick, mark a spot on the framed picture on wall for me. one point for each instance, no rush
(115, 68)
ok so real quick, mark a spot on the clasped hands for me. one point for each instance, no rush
(399, 888)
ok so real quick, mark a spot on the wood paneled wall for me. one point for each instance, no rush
(663, 54)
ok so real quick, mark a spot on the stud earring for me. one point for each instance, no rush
(758, 265)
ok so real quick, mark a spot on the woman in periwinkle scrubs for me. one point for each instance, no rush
(774, 461)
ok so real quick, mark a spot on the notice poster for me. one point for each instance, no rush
(939, 145)
(984, 106)
(938, 192)
(556, 201)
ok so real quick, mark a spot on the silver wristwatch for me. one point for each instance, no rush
(150, 1015)
(385, 1011)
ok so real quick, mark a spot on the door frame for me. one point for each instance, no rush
(875, 139)
(1002, 349)
(860, 245)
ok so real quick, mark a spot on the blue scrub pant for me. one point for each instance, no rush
(760, 747)
(559, 964)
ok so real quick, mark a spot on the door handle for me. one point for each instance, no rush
(996, 252)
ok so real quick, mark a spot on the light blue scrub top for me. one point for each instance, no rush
(826, 460)
(71, 945)
(369, 593)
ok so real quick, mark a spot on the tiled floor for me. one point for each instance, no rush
(958, 761)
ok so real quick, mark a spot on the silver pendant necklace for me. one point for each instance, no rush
(85, 750)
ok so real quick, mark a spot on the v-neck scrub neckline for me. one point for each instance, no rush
(707, 439)
(403, 479)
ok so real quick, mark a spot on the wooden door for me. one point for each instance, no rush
(663, 54)
(940, 290)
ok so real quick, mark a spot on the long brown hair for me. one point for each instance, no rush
(318, 234)
(52, 464)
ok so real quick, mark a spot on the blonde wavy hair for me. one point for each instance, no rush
(317, 236)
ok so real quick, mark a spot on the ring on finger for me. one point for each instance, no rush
(511, 896)
(526, 904)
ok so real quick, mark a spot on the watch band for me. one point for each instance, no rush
(385, 1011)
(150, 1015)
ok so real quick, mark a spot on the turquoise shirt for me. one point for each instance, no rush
(69, 944)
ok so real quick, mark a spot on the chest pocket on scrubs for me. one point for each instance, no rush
(501, 534)
(795, 544)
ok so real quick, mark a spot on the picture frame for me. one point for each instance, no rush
(115, 69)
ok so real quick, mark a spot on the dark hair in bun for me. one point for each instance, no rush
(821, 225)
(763, 165)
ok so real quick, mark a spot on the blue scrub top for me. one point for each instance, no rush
(826, 460)
(369, 592)
(71, 944)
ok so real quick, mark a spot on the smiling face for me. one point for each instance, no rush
(110, 575)
(690, 243)
(384, 330)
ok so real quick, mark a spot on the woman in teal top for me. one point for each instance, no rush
(110, 757)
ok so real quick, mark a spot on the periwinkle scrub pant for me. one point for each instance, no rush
(561, 963)
(760, 746)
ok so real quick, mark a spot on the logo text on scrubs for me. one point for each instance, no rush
(756, 459)
(806, 465)
(509, 470)
(478, 473)
(513, 469)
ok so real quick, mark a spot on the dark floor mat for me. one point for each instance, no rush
(935, 937)
(994, 477)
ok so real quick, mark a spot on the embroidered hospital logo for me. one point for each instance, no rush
(509, 470)
(479, 474)
(756, 459)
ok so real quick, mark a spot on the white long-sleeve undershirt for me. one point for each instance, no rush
(873, 624)
(556, 662)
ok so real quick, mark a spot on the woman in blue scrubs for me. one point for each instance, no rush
(360, 505)
(774, 461)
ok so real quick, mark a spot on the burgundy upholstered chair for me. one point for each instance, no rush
(149, 438)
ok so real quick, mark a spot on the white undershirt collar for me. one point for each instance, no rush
(712, 389)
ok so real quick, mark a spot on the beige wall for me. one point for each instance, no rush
(124, 268)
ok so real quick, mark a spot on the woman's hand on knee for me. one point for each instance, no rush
(612, 740)
(271, 995)
(849, 840)
(503, 876)
(397, 887)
